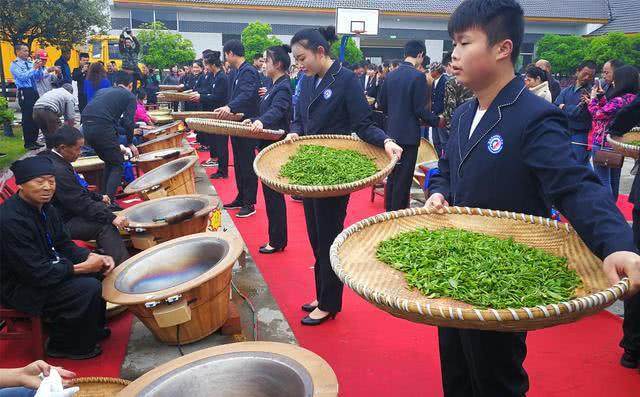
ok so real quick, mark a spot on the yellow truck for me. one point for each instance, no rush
(100, 48)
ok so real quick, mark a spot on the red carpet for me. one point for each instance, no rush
(114, 348)
(375, 354)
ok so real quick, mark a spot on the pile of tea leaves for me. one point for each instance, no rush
(315, 165)
(482, 270)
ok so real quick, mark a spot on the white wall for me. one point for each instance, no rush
(434, 49)
(203, 41)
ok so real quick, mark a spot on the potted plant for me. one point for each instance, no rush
(6, 116)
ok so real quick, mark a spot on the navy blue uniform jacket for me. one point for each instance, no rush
(244, 91)
(336, 106)
(216, 94)
(403, 97)
(519, 159)
(27, 264)
(437, 98)
(196, 83)
(275, 105)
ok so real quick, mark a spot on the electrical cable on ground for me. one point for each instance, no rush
(253, 310)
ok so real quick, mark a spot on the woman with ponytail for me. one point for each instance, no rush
(331, 101)
(275, 113)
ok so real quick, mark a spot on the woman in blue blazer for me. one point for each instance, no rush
(331, 101)
(275, 113)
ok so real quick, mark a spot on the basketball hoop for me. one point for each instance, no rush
(355, 22)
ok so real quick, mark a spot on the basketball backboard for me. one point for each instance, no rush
(357, 21)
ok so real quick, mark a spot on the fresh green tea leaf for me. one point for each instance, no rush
(315, 165)
(482, 270)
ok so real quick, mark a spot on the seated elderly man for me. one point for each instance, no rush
(43, 272)
(85, 213)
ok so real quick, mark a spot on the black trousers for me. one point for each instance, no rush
(277, 217)
(244, 152)
(482, 363)
(440, 137)
(82, 99)
(76, 311)
(221, 147)
(202, 138)
(325, 220)
(27, 97)
(107, 237)
(398, 188)
(103, 138)
(631, 324)
(210, 140)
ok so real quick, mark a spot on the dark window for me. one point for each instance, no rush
(526, 48)
(114, 51)
(228, 36)
(96, 50)
(447, 46)
(140, 17)
(168, 18)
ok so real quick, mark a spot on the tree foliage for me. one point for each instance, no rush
(60, 23)
(566, 52)
(161, 48)
(614, 46)
(352, 53)
(256, 38)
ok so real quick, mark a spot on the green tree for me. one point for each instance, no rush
(564, 52)
(161, 48)
(256, 38)
(614, 46)
(352, 53)
(60, 23)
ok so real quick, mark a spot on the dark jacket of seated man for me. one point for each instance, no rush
(84, 213)
(43, 272)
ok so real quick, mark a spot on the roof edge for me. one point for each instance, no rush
(178, 4)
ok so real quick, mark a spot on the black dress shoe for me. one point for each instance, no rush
(307, 307)
(312, 321)
(270, 250)
(218, 175)
(73, 355)
(234, 205)
(246, 211)
(629, 359)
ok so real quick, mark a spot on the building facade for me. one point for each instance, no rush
(210, 23)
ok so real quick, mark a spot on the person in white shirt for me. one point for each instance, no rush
(536, 80)
(59, 102)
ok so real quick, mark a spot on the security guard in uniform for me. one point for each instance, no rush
(331, 101)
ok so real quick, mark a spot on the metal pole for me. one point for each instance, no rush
(343, 46)
(2, 81)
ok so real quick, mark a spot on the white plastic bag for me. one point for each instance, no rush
(51, 386)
